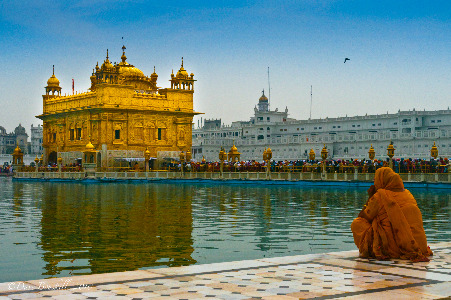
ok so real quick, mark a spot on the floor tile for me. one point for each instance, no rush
(340, 274)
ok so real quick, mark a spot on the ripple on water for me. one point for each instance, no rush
(62, 229)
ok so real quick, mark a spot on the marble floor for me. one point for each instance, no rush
(337, 275)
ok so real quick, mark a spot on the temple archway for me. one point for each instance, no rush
(53, 156)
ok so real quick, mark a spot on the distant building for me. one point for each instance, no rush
(36, 140)
(9, 141)
(21, 138)
(413, 134)
(212, 124)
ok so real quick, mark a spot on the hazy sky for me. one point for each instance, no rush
(400, 52)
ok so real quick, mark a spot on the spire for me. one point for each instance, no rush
(154, 75)
(182, 61)
(107, 54)
(53, 69)
(123, 57)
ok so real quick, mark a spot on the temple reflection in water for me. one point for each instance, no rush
(107, 228)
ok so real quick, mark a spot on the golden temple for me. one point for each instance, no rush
(122, 114)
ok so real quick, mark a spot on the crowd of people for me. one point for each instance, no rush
(339, 166)
(400, 165)
(6, 169)
(53, 167)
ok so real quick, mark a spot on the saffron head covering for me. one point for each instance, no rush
(386, 178)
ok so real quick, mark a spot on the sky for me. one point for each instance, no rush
(399, 53)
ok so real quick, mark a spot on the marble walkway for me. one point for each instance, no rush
(337, 275)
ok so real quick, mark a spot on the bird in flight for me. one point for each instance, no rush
(346, 59)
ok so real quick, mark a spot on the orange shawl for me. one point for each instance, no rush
(391, 225)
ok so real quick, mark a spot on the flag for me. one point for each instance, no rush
(72, 86)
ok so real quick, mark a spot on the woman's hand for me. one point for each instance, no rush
(371, 191)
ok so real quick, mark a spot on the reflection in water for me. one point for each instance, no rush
(59, 229)
(98, 228)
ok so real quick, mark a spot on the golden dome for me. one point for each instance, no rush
(89, 146)
(263, 97)
(126, 69)
(129, 70)
(53, 81)
(234, 149)
(17, 150)
(182, 72)
(107, 64)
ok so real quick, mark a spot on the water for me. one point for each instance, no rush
(63, 229)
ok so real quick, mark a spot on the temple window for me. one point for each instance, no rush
(71, 134)
(117, 134)
(54, 137)
(78, 134)
(159, 134)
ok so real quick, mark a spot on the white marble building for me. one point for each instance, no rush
(413, 133)
(36, 140)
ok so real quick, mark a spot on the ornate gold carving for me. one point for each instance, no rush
(128, 101)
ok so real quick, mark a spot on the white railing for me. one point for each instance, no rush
(289, 176)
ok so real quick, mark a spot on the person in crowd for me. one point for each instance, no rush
(390, 224)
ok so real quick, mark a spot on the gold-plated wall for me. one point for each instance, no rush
(122, 111)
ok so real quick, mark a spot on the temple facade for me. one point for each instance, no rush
(122, 114)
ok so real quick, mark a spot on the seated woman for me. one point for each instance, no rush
(390, 225)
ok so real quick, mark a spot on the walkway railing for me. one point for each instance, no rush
(288, 176)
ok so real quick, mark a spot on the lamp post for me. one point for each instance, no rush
(390, 154)
(147, 158)
(203, 166)
(17, 159)
(222, 157)
(324, 154)
(268, 160)
(188, 158)
(36, 161)
(188, 155)
(60, 163)
(434, 151)
(311, 155)
(371, 153)
(182, 161)
(90, 160)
